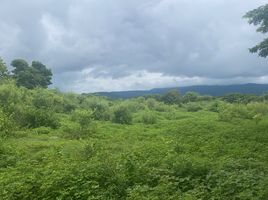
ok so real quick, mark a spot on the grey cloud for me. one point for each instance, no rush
(118, 38)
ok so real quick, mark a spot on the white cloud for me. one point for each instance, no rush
(142, 80)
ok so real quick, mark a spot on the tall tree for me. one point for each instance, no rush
(259, 17)
(36, 75)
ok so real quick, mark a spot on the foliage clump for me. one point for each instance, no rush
(122, 115)
(149, 118)
(193, 107)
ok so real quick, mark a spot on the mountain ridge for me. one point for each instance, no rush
(213, 90)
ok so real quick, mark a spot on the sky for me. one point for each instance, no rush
(115, 45)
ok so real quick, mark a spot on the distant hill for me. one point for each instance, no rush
(213, 90)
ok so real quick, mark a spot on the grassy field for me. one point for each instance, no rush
(181, 155)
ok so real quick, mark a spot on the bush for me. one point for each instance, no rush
(33, 118)
(101, 112)
(190, 97)
(214, 107)
(133, 105)
(240, 98)
(11, 96)
(148, 118)
(161, 107)
(70, 102)
(54, 100)
(258, 108)
(83, 117)
(122, 115)
(228, 112)
(82, 125)
(42, 130)
(6, 125)
(73, 130)
(7, 158)
(151, 103)
(193, 107)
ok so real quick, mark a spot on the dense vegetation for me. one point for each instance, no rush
(66, 146)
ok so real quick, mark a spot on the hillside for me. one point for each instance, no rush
(213, 90)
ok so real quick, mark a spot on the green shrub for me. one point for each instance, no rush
(133, 105)
(7, 157)
(42, 130)
(6, 125)
(73, 130)
(101, 112)
(81, 126)
(122, 115)
(161, 107)
(240, 98)
(193, 107)
(149, 118)
(228, 112)
(206, 98)
(83, 117)
(71, 102)
(48, 100)
(151, 103)
(33, 118)
(11, 97)
(214, 107)
(258, 108)
(190, 97)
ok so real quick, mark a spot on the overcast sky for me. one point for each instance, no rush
(111, 45)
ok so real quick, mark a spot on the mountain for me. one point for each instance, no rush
(213, 90)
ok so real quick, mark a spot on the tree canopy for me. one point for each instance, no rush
(36, 75)
(259, 17)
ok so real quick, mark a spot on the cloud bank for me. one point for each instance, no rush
(105, 45)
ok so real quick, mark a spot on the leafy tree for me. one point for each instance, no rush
(259, 17)
(33, 76)
(3, 70)
(20, 65)
(43, 73)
